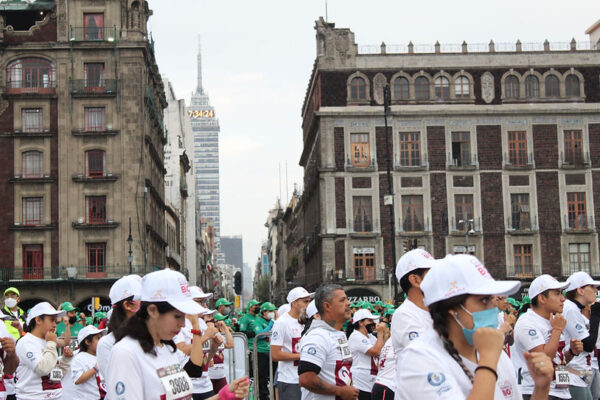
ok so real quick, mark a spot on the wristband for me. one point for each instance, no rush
(492, 370)
(95, 369)
(196, 332)
(225, 394)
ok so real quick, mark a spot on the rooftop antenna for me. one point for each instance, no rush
(326, 14)
(287, 196)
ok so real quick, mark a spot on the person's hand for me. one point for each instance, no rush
(234, 320)
(8, 345)
(194, 320)
(540, 368)
(488, 342)
(82, 316)
(51, 336)
(220, 325)
(510, 319)
(576, 346)
(557, 321)
(347, 392)
(240, 387)
(210, 332)
(67, 352)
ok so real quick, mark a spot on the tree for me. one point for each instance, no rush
(263, 289)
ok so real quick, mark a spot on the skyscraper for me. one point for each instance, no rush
(205, 128)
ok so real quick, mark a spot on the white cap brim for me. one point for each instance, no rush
(498, 288)
(187, 306)
(208, 312)
(576, 286)
(58, 313)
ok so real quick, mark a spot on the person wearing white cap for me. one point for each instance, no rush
(40, 369)
(365, 349)
(125, 298)
(412, 318)
(462, 356)
(284, 308)
(285, 339)
(540, 330)
(88, 384)
(580, 333)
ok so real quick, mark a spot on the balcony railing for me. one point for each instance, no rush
(573, 161)
(46, 86)
(467, 161)
(527, 271)
(518, 164)
(73, 272)
(93, 34)
(423, 162)
(366, 274)
(459, 228)
(522, 224)
(363, 227)
(581, 223)
(372, 164)
(571, 268)
(94, 87)
(409, 227)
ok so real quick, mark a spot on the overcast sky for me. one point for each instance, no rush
(257, 59)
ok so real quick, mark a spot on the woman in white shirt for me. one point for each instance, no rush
(84, 367)
(365, 349)
(462, 357)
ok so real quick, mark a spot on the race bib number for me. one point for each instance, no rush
(296, 348)
(562, 377)
(345, 350)
(176, 382)
(56, 375)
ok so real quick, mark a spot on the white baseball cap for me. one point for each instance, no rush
(206, 311)
(285, 308)
(543, 283)
(580, 279)
(363, 313)
(171, 287)
(89, 330)
(311, 310)
(298, 293)
(198, 293)
(460, 274)
(125, 287)
(414, 259)
(44, 308)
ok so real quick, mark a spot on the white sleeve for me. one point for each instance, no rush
(405, 331)
(359, 344)
(528, 336)
(575, 328)
(103, 355)
(314, 350)
(77, 369)
(120, 386)
(278, 333)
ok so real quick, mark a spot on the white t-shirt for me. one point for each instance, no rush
(31, 386)
(134, 374)
(105, 345)
(364, 367)
(90, 389)
(287, 332)
(408, 323)
(6, 385)
(531, 331)
(577, 328)
(386, 375)
(68, 387)
(217, 371)
(429, 372)
(328, 349)
(202, 384)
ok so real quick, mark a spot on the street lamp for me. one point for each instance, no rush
(130, 257)
(468, 225)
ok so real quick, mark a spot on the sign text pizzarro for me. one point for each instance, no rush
(362, 294)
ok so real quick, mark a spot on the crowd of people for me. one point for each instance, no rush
(456, 335)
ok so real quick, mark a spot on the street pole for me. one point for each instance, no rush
(130, 257)
(387, 100)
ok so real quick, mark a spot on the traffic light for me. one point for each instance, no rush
(237, 282)
(96, 303)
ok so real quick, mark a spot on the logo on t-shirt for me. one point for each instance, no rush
(436, 378)
(343, 376)
(275, 335)
(120, 388)
(507, 390)
(312, 351)
(30, 355)
(365, 341)
(532, 332)
(579, 327)
(413, 335)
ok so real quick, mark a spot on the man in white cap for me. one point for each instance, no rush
(580, 333)
(285, 339)
(540, 330)
(412, 318)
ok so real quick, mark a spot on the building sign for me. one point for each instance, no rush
(362, 294)
(86, 305)
(461, 249)
(364, 250)
(199, 114)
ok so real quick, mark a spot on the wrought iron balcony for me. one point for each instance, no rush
(579, 224)
(93, 34)
(45, 86)
(520, 223)
(73, 272)
(466, 161)
(518, 162)
(95, 87)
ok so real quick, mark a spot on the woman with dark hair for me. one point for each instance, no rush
(84, 367)
(462, 357)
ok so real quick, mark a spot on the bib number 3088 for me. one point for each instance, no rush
(176, 382)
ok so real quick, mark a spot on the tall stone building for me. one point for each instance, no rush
(493, 150)
(81, 137)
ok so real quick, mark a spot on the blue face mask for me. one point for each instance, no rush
(481, 319)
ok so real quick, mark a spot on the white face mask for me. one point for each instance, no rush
(10, 302)
(270, 315)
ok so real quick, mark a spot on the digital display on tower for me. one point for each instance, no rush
(198, 114)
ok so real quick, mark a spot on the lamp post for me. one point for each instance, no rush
(468, 225)
(389, 199)
(130, 257)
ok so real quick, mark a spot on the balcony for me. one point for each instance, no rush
(183, 187)
(64, 273)
(415, 165)
(580, 224)
(97, 133)
(32, 179)
(364, 228)
(362, 167)
(466, 162)
(46, 88)
(81, 178)
(18, 226)
(571, 161)
(93, 34)
(414, 228)
(94, 88)
(519, 163)
(522, 224)
(458, 229)
(82, 224)
(528, 271)
(32, 135)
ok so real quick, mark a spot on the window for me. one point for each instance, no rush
(32, 210)
(94, 75)
(95, 209)
(442, 88)
(412, 212)
(358, 89)
(511, 87)
(30, 75)
(576, 210)
(517, 148)
(520, 215)
(579, 257)
(422, 88)
(31, 120)
(573, 147)
(94, 163)
(523, 260)
(363, 214)
(401, 88)
(33, 261)
(462, 87)
(95, 119)
(552, 86)
(32, 166)
(93, 25)
(463, 209)
(96, 253)
(410, 149)
(572, 86)
(364, 264)
(461, 149)
(532, 87)
(359, 145)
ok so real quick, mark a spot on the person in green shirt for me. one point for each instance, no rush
(247, 319)
(74, 326)
(263, 323)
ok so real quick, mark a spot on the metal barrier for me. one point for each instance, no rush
(236, 369)
(255, 367)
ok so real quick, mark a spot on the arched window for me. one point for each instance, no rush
(511, 87)
(401, 88)
(422, 88)
(358, 89)
(95, 163)
(33, 164)
(30, 74)
(572, 86)
(552, 86)
(532, 87)
(442, 87)
(462, 87)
